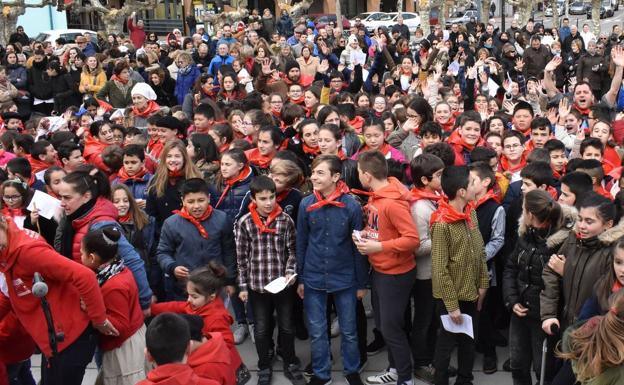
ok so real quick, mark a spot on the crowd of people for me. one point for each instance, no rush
(467, 172)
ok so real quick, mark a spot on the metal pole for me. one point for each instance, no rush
(503, 18)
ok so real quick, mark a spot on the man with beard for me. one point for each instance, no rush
(272, 81)
(39, 84)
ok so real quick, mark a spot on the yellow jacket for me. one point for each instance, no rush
(90, 84)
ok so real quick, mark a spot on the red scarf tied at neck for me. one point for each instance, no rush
(229, 183)
(341, 189)
(124, 177)
(264, 227)
(446, 213)
(489, 195)
(125, 218)
(151, 108)
(196, 221)
(118, 79)
(175, 174)
(256, 158)
(418, 194)
(12, 213)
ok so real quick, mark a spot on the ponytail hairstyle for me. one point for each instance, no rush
(208, 280)
(88, 178)
(139, 217)
(104, 242)
(543, 207)
(599, 343)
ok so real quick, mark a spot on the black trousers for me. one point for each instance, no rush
(424, 323)
(68, 368)
(264, 305)
(446, 343)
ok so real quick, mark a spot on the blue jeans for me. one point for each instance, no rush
(315, 304)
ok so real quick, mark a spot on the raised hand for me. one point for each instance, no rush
(553, 64)
(415, 69)
(564, 108)
(507, 85)
(323, 67)
(552, 115)
(519, 64)
(266, 66)
(472, 72)
(617, 55)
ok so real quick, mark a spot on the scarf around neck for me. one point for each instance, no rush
(196, 221)
(124, 177)
(446, 213)
(341, 189)
(109, 270)
(229, 183)
(419, 193)
(264, 227)
(151, 108)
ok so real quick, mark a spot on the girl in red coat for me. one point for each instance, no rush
(123, 359)
(203, 287)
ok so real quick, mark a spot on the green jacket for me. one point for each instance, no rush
(117, 95)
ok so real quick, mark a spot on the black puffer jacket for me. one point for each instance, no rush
(39, 84)
(522, 277)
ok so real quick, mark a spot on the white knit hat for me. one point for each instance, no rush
(144, 90)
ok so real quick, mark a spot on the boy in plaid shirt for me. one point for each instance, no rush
(265, 250)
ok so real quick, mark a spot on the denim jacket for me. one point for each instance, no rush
(327, 259)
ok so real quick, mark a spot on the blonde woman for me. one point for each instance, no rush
(92, 78)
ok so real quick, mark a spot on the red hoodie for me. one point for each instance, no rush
(212, 360)
(68, 283)
(37, 165)
(103, 211)
(175, 374)
(93, 153)
(389, 221)
(216, 319)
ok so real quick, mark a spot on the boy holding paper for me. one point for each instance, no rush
(458, 270)
(265, 250)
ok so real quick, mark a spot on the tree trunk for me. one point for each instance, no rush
(425, 13)
(443, 9)
(8, 22)
(555, 9)
(339, 15)
(485, 11)
(596, 16)
(114, 21)
(400, 6)
(525, 7)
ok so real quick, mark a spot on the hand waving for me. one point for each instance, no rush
(553, 64)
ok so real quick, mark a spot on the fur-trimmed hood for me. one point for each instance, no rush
(557, 238)
(613, 234)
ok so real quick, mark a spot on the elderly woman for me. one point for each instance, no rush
(143, 104)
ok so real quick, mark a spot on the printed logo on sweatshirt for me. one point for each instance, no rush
(20, 287)
(371, 231)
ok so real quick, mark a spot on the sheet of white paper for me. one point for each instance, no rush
(357, 57)
(46, 204)
(278, 284)
(492, 87)
(452, 327)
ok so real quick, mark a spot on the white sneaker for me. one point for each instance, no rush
(335, 328)
(240, 333)
(387, 377)
(252, 329)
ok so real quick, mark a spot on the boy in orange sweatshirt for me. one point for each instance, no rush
(389, 240)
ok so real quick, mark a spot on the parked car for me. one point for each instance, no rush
(410, 19)
(68, 34)
(560, 9)
(604, 12)
(377, 20)
(322, 19)
(578, 8)
(462, 17)
(363, 16)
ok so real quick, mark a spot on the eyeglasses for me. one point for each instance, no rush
(512, 146)
(11, 198)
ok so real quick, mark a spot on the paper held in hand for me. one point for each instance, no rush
(279, 284)
(46, 204)
(451, 327)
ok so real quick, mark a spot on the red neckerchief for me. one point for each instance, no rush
(616, 286)
(528, 147)
(281, 196)
(52, 193)
(447, 214)
(385, 148)
(232, 95)
(276, 113)
(124, 177)
(173, 175)
(314, 151)
(357, 123)
(553, 192)
(610, 159)
(456, 140)
(557, 174)
(489, 195)
(118, 79)
(31, 180)
(257, 159)
(264, 227)
(419, 193)
(231, 182)
(196, 221)
(37, 165)
(299, 100)
(583, 111)
(155, 147)
(249, 63)
(12, 213)
(308, 111)
(125, 218)
(601, 190)
(341, 154)
(377, 114)
(448, 126)
(224, 147)
(341, 189)
(505, 166)
(152, 108)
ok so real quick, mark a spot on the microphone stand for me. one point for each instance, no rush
(53, 338)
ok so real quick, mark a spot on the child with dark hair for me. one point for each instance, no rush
(123, 358)
(459, 272)
(134, 174)
(558, 159)
(574, 186)
(19, 168)
(269, 141)
(194, 236)
(167, 343)
(594, 169)
(265, 249)
(443, 151)
(204, 287)
(430, 133)
(513, 159)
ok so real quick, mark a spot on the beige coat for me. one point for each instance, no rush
(309, 67)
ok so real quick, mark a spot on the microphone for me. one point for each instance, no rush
(39, 287)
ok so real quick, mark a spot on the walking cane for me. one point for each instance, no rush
(554, 330)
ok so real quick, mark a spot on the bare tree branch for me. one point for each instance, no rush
(96, 6)
(24, 4)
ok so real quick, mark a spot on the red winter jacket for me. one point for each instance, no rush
(68, 283)
(103, 211)
(212, 360)
(121, 297)
(216, 319)
(13, 335)
(93, 153)
(175, 374)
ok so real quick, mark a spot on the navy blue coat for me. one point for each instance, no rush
(185, 82)
(137, 188)
(233, 200)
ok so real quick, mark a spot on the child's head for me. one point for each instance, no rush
(603, 131)
(372, 167)
(53, 177)
(483, 176)
(99, 246)
(494, 140)
(202, 147)
(593, 168)
(470, 127)
(285, 173)
(574, 186)
(443, 151)
(167, 339)
(262, 190)
(426, 171)
(15, 194)
(592, 148)
(233, 161)
(133, 159)
(540, 131)
(203, 117)
(522, 116)
(269, 140)
(373, 132)
(112, 157)
(430, 133)
(536, 175)
(309, 132)
(457, 183)
(19, 168)
(596, 214)
(204, 284)
(195, 196)
(540, 210)
(513, 145)
(486, 155)
(196, 326)
(326, 170)
(222, 134)
(557, 152)
(329, 139)
(70, 155)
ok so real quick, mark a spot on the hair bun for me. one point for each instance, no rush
(112, 233)
(217, 269)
